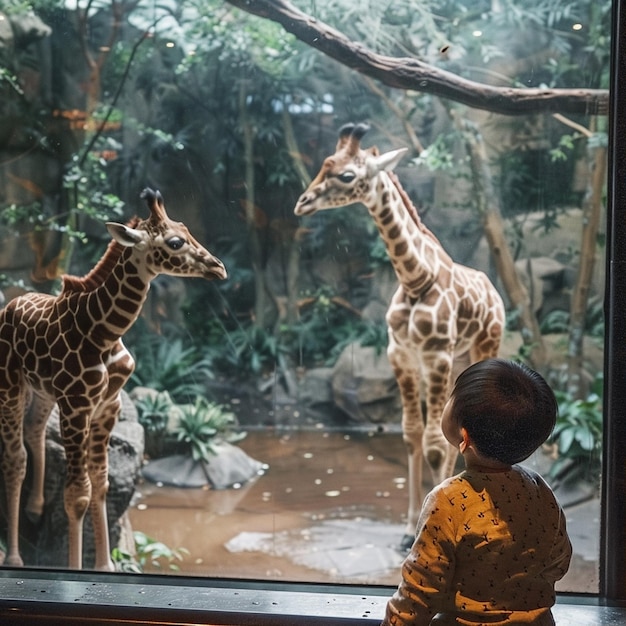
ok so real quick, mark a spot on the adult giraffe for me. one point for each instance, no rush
(68, 350)
(440, 309)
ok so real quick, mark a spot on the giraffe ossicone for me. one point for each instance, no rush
(67, 350)
(441, 310)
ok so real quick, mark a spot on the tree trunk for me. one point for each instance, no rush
(491, 216)
(592, 214)
(292, 270)
(260, 294)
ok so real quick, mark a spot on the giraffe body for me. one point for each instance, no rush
(67, 350)
(440, 310)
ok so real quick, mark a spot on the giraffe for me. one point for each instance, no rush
(440, 309)
(67, 350)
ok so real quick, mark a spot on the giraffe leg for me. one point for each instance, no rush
(440, 454)
(75, 416)
(98, 466)
(35, 438)
(408, 380)
(14, 471)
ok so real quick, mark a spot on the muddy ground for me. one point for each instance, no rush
(329, 508)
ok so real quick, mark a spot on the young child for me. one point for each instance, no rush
(491, 542)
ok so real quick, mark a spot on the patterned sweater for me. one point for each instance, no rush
(488, 550)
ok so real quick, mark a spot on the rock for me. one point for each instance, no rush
(229, 467)
(315, 386)
(549, 283)
(364, 386)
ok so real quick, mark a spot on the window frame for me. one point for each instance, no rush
(613, 502)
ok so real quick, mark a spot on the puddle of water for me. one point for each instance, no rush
(321, 489)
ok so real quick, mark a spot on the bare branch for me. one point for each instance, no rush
(410, 73)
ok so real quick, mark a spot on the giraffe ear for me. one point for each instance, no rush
(385, 162)
(124, 235)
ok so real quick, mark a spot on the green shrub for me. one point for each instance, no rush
(154, 412)
(148, 551)
(578, 436)
(200, 424)
(167, 365)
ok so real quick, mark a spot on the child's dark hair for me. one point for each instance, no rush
(507, 409)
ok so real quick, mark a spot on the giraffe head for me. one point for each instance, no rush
(164, 246)
(349, 175)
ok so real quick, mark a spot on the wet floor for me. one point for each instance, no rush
(330, 508)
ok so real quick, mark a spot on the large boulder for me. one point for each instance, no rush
(47, 543)
(364, 386)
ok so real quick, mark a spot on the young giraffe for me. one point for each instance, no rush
(440, 309)
(68, 350)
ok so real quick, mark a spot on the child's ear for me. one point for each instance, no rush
(465, 442)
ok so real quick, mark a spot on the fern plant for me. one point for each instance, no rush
(169, 366)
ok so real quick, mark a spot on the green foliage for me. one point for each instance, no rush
(555, 322)
(564, 148)
(89, 190)
(374, 335)
(326, 327)
(200, 423)
(167, 365)
(251, 350)
(525, 181)
(15, 216)
(438, 155)
(578, 436)
(594, 319)
(154, 411)
(7, 281)
(150, 552)
(90, 199)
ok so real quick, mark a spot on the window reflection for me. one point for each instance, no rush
(231, 116)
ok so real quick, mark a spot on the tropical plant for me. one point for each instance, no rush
(555, 322)
(167, 365)
(374, 335)
(578, 436)
(251, 350)
(154, 411)
(148, 551)
(200, 424)
(594, 322)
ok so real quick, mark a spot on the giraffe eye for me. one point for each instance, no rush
(346, 177)
(175, 243)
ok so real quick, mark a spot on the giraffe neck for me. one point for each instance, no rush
(114, 305)
(416, 254)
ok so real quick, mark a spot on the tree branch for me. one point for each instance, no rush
(410, 73)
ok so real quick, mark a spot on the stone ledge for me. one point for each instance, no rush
(91, 598)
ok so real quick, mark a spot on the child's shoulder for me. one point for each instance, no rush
(454, 483)
(517, 474)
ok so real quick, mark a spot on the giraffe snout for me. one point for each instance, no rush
(304, 206)
(215, 269)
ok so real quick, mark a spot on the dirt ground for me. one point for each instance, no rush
(329, 508)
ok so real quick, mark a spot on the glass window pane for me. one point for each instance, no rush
(261, 432)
